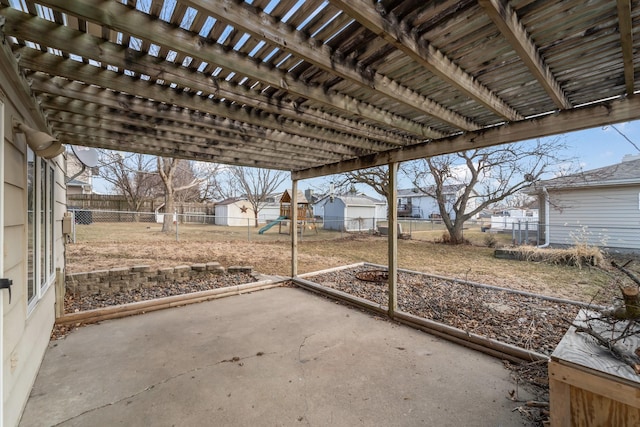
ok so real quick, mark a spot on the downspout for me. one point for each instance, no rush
(546, 218)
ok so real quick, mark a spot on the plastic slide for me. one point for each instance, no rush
(271, 224)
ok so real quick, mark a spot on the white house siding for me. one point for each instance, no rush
(423, 206)
(604, 216)
(25, 331)
(269, 212)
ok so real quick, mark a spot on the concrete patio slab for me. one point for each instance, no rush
(280, 357)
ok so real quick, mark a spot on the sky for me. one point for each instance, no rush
(591, 149)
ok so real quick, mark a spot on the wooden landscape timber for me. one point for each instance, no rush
(135, 308)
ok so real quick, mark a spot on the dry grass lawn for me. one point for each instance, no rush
(108, 245)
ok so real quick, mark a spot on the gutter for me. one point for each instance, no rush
(546, 219)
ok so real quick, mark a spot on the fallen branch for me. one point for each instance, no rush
(626, 271)
(632, 361)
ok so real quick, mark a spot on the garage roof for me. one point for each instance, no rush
(319, 87)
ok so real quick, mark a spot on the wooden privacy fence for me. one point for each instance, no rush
(119, 203)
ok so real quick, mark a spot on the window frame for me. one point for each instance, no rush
(40, 226)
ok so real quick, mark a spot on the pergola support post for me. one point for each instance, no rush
(392, 216)
(294, 228)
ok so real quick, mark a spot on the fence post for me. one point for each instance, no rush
(176, 216)
(248, 229)
(73, 225)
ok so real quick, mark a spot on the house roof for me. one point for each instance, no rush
(624, 173)
(76, 183)
(318, 87)
(414, 192)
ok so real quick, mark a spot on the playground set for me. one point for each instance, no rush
(305, 214)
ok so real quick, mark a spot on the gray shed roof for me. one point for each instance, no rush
(360, 200)
(624, 173)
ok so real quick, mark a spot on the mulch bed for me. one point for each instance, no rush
(76, 303)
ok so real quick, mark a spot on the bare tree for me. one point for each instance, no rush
(376, 177)
(481, 177)
(169, 169)
(132, 175)
(257, 185)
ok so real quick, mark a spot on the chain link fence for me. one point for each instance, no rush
(122, 225)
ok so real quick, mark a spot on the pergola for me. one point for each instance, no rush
(319, 87)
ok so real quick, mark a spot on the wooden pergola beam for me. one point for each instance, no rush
(192, 135)
(505, 18)
(263, 26)
(27, 27)
(72, 70)
(386, 25)
(101, 101)
(626, 43)
(101, 138)
(143, 26)
(601, 114)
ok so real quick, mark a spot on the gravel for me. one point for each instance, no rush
(74, 303)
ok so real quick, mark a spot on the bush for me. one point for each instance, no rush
(445, 238)
(578, 255)
(490, 241)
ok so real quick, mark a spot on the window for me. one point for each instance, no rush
(40, 231)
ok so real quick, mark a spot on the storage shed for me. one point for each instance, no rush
(234, 212)
(352, 212)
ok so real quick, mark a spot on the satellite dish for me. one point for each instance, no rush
(87, 156)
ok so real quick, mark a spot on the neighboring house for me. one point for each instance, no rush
(76, 186)
(356, 212)
(415, 203)
(270, 210)
(599, 207)
(80, 181)
(234, 211)
(32, 204)
(515, 218)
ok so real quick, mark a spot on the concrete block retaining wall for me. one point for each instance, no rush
(142, 276)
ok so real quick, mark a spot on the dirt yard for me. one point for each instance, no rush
(102, 246)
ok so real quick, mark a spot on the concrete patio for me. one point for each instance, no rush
(278, 357)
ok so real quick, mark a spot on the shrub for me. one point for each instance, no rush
(579, 255)
(490, 241)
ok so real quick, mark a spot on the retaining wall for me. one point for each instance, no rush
(142, 276)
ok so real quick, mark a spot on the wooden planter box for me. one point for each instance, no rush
(590, 387)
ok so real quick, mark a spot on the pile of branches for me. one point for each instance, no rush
(611, 326)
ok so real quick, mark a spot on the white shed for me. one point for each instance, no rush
(351, 212)
(234, 212)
